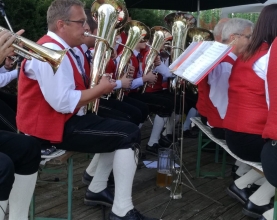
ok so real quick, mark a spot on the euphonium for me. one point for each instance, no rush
(159, 36)
(53, 57)
(180, 22)
(137, 32)
(196, 35)
(121, 21)
(107, 19)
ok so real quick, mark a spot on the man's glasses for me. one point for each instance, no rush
(83, 23)
(243, 35)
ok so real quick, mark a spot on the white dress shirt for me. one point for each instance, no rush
(218, 80)
(6, 77)
(58, 89)
(260, 68)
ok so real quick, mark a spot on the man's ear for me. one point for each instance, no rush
(60, 24)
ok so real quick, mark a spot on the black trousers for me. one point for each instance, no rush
(269, 161)
(160, 103)
(19, 154)
(93, 134)
(246, 146)
(131, 110)
(7, 117)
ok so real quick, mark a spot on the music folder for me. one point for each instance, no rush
(199, 59)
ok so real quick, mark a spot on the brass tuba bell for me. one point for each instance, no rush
(53, 57)
(137, 32)
(180, 23)
(107, 20)
(159, 35)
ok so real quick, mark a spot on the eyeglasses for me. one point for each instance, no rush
(83, 23)
(243, 35)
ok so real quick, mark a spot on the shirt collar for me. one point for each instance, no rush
(136, 52)
(59, 39)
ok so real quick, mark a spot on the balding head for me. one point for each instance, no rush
(218, 29)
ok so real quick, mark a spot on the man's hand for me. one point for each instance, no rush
(6, 39)
(150, 78)
(157, 61)
(106, 84)
(126, 82)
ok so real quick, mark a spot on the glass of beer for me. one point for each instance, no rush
(164, 172)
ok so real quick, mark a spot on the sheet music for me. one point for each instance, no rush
(201, 61)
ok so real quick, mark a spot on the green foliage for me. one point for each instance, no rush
(31, 16)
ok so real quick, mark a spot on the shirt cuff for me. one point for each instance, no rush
(118, 84)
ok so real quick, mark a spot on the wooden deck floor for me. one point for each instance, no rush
(51, 200)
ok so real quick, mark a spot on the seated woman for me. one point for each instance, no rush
(247, 111)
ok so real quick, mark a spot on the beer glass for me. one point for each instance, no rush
(164, 172)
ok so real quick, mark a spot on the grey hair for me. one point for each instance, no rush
(219, 26)
(235, 26)
(60, 10)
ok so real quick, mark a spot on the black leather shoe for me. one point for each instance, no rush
(154, 149)
(241, 195)
(253, 187)
(254, 211)
(165, 141)
(262, 218)
(104, 197)
(131, 215)
(86, 179)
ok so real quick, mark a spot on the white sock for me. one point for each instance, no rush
(140, 125)
(261, 181)
(156, 130)
(263, 195)
(93, 165)
(238, 163)
(192, 113)
(21, 195)
(124, 168)
(269, 214)
(248, 178)
(103, 170)
(243, 169)
(3, 208)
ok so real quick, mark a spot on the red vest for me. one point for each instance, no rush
(111, 68)
(203, 93)
(247, 108)
(270, 130)
(158, 85)
(212, 113)
(123, 36)
(135, 63)
(34, 115)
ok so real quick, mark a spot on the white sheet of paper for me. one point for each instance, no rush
(154, 164)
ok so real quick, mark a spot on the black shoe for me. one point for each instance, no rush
(241, 195)
(154, 149)
(86, 179)
(104, 197)
(131, 215)
(165, 141)
(262, 218)
(189, 134)
(254, 211)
